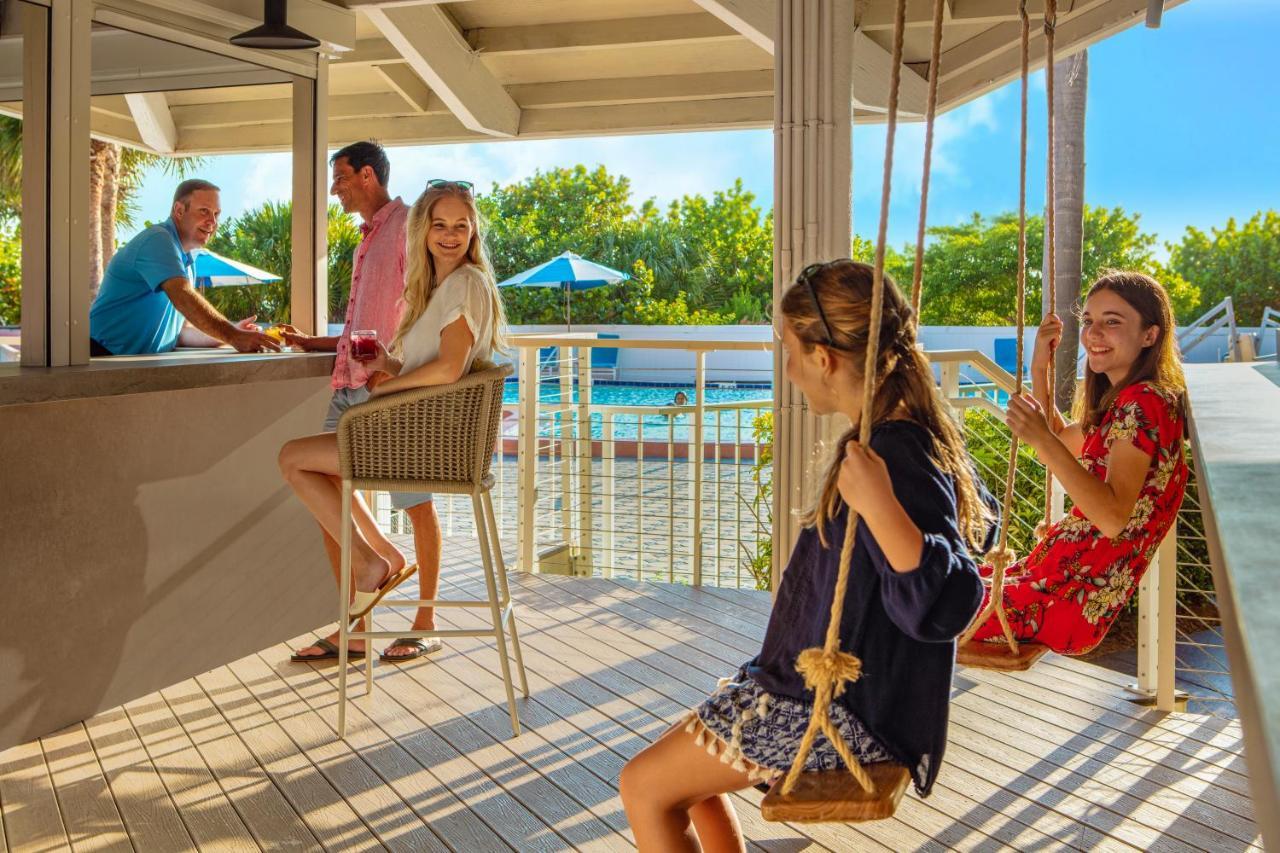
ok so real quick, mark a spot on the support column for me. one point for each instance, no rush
(68, 206)
(812, 221)
(309, 288)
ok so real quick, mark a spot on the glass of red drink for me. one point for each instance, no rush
(364, 344)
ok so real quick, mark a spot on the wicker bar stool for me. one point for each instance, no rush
(438, 439)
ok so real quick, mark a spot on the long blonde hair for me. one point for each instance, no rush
(420, 280)
(904, 386)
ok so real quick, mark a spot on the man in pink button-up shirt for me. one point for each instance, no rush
(360, 174)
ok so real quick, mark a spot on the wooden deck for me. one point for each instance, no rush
(245, 756)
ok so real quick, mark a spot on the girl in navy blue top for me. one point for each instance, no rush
(913, 587)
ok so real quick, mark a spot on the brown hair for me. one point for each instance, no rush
(1159, 363)
(841, 291)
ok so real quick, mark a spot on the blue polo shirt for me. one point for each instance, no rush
(132, 315)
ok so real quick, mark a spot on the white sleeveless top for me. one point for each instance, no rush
(465, 294)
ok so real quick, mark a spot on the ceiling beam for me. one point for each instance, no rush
(407, 85)
(878, 14)
(151, 114)
(241, 114)
(437, 52)
(640, 90)
(601, 35)
(753, 19)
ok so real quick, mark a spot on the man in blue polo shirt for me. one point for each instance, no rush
(148, 302)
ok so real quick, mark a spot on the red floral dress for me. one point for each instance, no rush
(1073, 584)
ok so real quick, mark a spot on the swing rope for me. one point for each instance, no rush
(828, 671)
(1001, 557)
(931, 109)
(1050, 26)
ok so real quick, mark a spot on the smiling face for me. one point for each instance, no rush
(1112, 333)
(449, 232)
(353, 189)
(196, 218)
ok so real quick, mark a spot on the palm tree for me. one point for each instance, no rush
(115, 176)
(1070, 91)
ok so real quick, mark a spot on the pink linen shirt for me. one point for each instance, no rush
(377, 288)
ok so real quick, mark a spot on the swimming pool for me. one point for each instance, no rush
(734, 422)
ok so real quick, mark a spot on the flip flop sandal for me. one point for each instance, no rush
(363, 602)
(420, 648)
(330, 653)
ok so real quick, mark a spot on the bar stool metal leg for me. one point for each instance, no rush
(500, 565)
(495, 611)
(344, 611)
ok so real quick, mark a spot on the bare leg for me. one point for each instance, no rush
(673, 792)
(427, 541)
(310, 466)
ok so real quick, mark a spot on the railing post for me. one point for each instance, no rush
(606, 489)
(1166, 629)
(950, 376)
(564, 435)
(586, 521)
(699, 389)
(527, 458)
(1157, 621)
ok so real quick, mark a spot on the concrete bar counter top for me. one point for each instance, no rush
(135, 374)
(145, 532)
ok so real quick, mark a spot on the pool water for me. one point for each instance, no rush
(734, 423)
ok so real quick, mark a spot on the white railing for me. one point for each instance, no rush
(626, 489)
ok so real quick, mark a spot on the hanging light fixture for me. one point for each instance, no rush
(274, 34)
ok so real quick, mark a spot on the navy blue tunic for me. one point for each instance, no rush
(902, 626)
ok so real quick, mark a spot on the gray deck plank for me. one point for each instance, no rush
(209, 816)
(245, 756)
(32, 819)
(84, 797)
(146, 808)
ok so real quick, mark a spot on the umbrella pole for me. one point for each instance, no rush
(568, 311)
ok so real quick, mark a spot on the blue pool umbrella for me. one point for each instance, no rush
(213, 270)
(570, 272)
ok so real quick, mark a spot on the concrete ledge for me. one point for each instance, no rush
(140, 374)
(1234, 415)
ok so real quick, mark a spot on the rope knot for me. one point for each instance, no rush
(836, 669)
(1001, 558)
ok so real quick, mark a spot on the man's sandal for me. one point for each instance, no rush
(420, 647)
(331, 652)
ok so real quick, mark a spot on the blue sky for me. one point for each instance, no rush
(1183, 126)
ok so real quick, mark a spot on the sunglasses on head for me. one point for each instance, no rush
(465, 186)
(806, 278)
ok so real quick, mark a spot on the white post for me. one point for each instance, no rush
(586, 522)
(37, 228)
(1166, 624)
(527, 458)
(308, 307)
(697, 448)
(565, 436)
(606, 490)
(950, 381)
(813, 166)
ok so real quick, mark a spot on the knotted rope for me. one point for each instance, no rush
(1001, 557)
(828, 671)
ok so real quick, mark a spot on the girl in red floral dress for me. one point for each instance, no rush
(1121, 463)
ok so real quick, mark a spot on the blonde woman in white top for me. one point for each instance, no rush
(452, 318)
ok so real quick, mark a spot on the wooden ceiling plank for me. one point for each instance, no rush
(407, 84)
(437, 52)
(155, 124)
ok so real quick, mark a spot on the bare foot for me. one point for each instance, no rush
(373, 574)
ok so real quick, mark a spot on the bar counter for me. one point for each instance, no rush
(145, 532)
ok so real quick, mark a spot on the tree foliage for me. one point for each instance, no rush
(263, 237)
(1240, 261)
(688, 263)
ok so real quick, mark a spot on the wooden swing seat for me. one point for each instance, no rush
(997, 656)
(834, 796)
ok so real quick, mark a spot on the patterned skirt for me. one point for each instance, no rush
(759, 734)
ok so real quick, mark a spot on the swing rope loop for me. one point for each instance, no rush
(1001, 557)
(828, 670)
